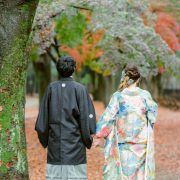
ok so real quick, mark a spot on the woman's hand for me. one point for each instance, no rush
(97, 142)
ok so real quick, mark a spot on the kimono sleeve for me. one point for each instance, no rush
(42, 121)
(151, 109)
(87, 116)
(105, 124)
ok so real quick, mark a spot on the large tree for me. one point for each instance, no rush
(167, 23)
(15, 26)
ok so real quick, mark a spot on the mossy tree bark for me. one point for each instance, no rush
(16, 18)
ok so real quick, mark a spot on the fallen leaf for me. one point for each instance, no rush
(9, 138)
(9, 165)
(13, 108)
(1, 163)
(4, 90)
(1, 108)
(7, 131)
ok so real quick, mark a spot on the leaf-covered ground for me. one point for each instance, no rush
(167, 138)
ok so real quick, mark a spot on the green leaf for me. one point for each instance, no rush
(70, 28)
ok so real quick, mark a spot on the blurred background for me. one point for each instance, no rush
(103, 38)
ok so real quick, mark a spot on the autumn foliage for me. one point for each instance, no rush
(169, 29)
(87, 50)
(86, 47)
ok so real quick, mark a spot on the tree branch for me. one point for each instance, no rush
(56, 14)
(52, 57)
(83, 8)
(56, 47)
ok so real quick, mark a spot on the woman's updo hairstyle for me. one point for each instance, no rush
(130, 76)
(132, 72)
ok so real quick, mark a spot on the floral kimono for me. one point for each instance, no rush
(127, 126)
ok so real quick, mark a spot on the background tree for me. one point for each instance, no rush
(167, 25)
(16, 20)
(126, 39)
(129, 39)
(43, 40)
(170, 7)
(167, 22)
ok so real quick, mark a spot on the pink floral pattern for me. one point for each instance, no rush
(126, 125)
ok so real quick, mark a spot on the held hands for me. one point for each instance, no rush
(97, 142)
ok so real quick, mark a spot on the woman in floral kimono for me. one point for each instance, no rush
(127, 127)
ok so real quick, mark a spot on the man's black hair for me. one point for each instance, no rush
(66, 66)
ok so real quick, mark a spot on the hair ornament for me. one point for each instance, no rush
(130, 82)
(123, 75)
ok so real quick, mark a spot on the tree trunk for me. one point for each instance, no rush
(31, 83)
(144, 84)
(43, 74)
(15, 24)
(108, 89)
(99, 87)
(155, 87)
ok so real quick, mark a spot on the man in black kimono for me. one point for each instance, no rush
(65, 125)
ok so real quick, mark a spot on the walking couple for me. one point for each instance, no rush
(66, 125)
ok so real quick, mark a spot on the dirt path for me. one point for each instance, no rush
(167, 139)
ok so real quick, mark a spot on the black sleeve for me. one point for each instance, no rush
(92, 116)
(42, 121)
(87, 116)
